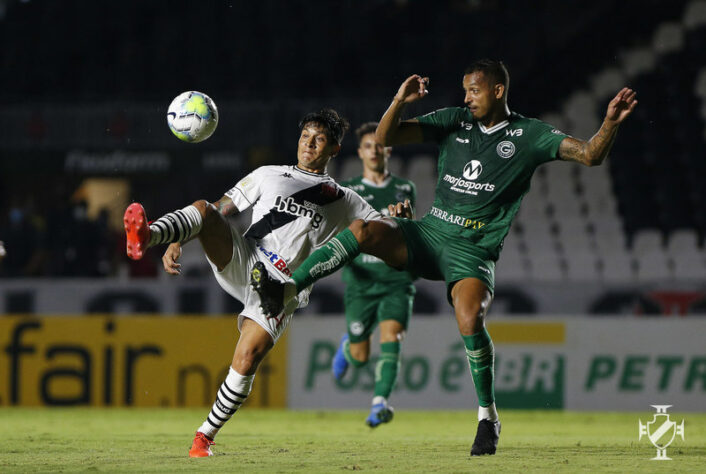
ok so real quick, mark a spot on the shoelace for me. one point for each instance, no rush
(208, 441)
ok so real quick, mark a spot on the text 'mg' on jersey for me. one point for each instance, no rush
(366, 269)
(294, 212)
(484, 172)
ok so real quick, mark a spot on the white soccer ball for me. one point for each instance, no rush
(192, 116)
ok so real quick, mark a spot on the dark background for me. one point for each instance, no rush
(92, 79)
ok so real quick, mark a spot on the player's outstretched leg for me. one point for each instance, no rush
(339, 365)
(137, 230)
(177, 226)
(271, 291)
(379, 413)
(487, 437)
(201, 447)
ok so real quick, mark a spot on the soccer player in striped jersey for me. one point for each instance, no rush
(487, 156)
(295, 210)
(376, 293)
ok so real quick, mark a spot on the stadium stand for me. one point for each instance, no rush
(641, 218)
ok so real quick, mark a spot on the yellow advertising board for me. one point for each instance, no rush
(127, 361)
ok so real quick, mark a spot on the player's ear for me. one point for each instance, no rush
(335, 150)
(499, 91)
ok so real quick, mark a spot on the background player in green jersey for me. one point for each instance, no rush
(486, 159)
(376, 293)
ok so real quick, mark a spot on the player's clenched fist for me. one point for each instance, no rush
(413, 88)
(401, 209)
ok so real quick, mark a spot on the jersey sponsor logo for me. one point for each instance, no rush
(514, 133)
(466, 125)
(356, 187)
(277, 261)
(505, 149)
(403, 187)
(472, 170)
(460, 185)
(460, 221)
(289, 206)
(558, 132)
(483, 269)
(462, 140)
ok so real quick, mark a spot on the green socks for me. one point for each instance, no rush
(386, 368)
(481, 358)
(328, 259)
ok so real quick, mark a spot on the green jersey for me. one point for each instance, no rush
(484, 172)
(366, 268)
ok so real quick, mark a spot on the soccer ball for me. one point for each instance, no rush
(192, 116)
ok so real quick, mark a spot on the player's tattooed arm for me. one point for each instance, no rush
(594, 151)
(225, 206)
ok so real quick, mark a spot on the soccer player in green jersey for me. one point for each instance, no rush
(487, 156)
(376, 293)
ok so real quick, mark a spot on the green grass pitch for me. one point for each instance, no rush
(157, 440)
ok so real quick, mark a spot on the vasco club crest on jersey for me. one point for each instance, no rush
(505, 149)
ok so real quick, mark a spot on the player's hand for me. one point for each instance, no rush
(621, 106)
(401, 209)
(170, 257)
(413, 88)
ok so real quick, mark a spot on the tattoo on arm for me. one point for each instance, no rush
(226, 206)
(572, 149)
(592, 152)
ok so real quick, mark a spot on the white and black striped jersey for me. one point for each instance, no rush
(294, 212)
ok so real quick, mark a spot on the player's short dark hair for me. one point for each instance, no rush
(367, 127)
(495, 71)
(333, 123)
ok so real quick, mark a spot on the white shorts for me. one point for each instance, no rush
(235, 279)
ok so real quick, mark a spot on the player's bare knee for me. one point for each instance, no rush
(471, 318)
(247, 361)
(360, 355)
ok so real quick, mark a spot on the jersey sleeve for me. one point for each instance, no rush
(547, 140)
(437, 124)
(358, 208)
(248, 190)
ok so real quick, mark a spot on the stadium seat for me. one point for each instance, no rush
(617, 267)
(582, 265)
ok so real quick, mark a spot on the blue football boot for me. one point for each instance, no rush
(339, 364)
(380, 413)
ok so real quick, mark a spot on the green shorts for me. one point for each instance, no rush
(436, 255)
(366, 306)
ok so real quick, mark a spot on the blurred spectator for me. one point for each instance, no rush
(22, 245)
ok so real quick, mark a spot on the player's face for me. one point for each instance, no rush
(481, 97)
(315, 148)
(373, 154)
